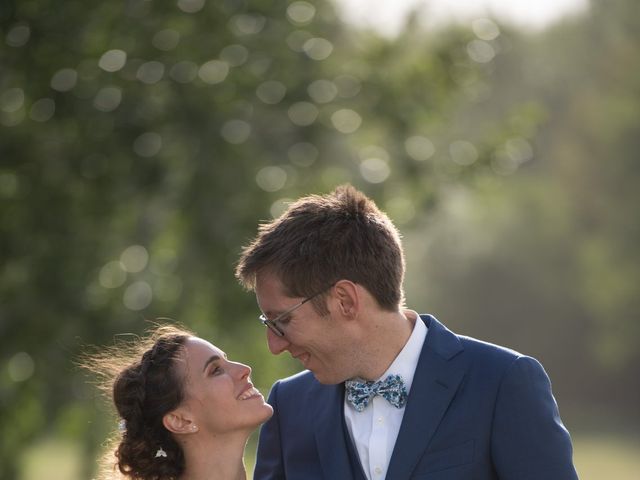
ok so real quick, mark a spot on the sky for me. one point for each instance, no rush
(387, 16)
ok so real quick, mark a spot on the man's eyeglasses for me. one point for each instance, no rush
(273, 324)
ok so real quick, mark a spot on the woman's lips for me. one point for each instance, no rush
(250, 392)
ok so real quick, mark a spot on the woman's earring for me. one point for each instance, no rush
(194, 428)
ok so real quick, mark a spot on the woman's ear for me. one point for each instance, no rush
(347, 294)
(179, 422)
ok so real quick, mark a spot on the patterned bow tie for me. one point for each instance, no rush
(391, 389)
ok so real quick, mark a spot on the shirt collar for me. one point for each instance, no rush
(407, 360)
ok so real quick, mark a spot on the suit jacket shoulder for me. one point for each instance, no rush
(475, 410)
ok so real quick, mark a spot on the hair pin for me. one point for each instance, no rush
(122, 426)
(161, 453)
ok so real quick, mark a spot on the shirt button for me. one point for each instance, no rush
(377, 470)
(380, 420)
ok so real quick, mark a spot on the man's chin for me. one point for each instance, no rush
(327, 379)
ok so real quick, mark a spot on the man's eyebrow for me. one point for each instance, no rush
(281, 313)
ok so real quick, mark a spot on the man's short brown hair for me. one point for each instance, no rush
(321, 239)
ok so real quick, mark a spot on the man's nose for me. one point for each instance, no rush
(277, 344)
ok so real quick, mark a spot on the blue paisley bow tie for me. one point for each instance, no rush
(391, 389)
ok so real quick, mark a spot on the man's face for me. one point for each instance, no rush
(316, 341)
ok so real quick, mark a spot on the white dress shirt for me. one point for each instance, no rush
(374, 430)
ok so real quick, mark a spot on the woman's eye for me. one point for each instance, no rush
(217, 371)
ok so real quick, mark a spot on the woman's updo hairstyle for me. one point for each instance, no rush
(145, 385)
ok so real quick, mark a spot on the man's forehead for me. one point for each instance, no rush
(269, 282)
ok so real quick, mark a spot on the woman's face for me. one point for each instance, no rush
(218, 392)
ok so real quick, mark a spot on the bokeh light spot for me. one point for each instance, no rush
(271, 92)
(150, 72)
(463, 152)
(18, 35)
(375, 170)
(480, 51)
(373, 151)
(259, 64)
(148, 144)
(246, 24)
(21, 367)
(318, 48)
(322, 91)
(191, 6)
(184, 72)
(485, 29)
(166, 40)
(64, 80)
(300, 13)
(235, 131)
(42, 110)
(113, 60)
(12, 100)
(107, 99)
(112, 275)
(519, 149)
(419, 148)
(510, 156)
(303, 113)
(137, 296)
(213, 71)
(134, 258)
(346, 120)
(303, 154)
(348, 86)
(280, 206)
(234, 55)
(271, 179)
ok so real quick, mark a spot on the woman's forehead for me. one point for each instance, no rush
(196, 355)
(198, 348)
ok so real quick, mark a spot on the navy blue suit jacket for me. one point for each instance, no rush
(475, 411)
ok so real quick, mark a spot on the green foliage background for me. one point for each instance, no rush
(508, 160)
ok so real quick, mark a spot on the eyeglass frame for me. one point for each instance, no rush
(271, 324)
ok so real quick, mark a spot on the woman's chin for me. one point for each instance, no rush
(268, 412)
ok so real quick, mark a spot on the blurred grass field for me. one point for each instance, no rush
(607, 456)
(596, 455)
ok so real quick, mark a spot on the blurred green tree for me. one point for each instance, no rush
(545, 250)
(143, 141)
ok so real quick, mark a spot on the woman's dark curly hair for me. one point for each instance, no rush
(145, 385)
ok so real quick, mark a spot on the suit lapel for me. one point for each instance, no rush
(329, 431)
(438, 375)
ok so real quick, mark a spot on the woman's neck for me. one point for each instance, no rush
(215, 459)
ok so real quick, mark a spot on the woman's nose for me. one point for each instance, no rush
(242, 370)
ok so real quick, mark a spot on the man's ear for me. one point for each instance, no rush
(348, 298)
(179, 422)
